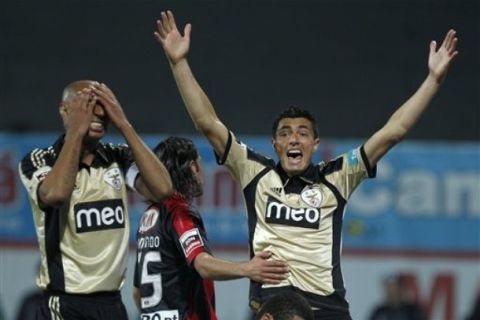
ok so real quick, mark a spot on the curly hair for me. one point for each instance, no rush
(176, 154)
(295, 112)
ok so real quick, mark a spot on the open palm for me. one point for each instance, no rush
(439, 60)
(174, 44)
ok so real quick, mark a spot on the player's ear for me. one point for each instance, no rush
(62, 108)
(274, 144)
(266, 316)
(316, 144)
(194, 166)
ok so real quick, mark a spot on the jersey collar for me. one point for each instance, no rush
(309, 176)
(100, 153)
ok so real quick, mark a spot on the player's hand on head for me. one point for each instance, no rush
(77, 113)
(174, 44)
(110, 104)
(439, 60)
(265, 270)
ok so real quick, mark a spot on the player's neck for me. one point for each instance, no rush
(88, 152)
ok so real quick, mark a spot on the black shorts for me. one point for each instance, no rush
(324, 314)
(63, 306)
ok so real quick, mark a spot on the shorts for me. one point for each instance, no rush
(324, 314)
(64, 306)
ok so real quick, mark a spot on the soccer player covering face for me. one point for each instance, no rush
(295, 208)
(78, 192)
(175, 267)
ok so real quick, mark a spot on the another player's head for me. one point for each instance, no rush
(182, 161)
(393, 287)
(295, 139)
(99, 123)
(286, 305)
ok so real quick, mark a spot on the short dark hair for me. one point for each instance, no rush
(295, 112)
(397, 278)
(176, 154)
(285, 306)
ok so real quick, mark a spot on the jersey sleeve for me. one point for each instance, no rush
(189, 234)
(132, 175)
(349, 170)
(33, 169)
(124, 157)
(242, 162)
(136, 275)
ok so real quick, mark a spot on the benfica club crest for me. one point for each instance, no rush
(113, 177)
(312, 196)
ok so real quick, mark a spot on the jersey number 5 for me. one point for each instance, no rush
(154, 279)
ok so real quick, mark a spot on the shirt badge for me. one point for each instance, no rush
(148, 220)
(312, 196)
(113, 177)
(191, 240)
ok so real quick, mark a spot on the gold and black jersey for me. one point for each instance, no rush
(83, 244)
(298, 219)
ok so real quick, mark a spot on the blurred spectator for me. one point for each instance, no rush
(29, 304)
(396, 305)
(30, 301)
(475, 312)
(2, 316)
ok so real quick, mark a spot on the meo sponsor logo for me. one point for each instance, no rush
(99, 215)
(280, 213)
(191, 240)
(161, 315)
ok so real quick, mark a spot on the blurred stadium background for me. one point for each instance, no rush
(351, 62)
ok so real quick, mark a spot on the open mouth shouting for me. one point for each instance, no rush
(294, 156)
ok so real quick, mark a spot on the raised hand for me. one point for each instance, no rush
(110, 104)
(439, 60)
(77, 114)
(262, 270)
(174, 44)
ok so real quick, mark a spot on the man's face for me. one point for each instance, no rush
(197, 169)
(393, 291)
(99, 124)
(99, 119)
(295, 144)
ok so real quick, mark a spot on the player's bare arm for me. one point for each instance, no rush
(198, 105)
(154, 181)
(259, 268)
(136, 298)
(77, 114)
(408, 114)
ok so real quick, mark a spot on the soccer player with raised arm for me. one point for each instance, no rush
(295, 207)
